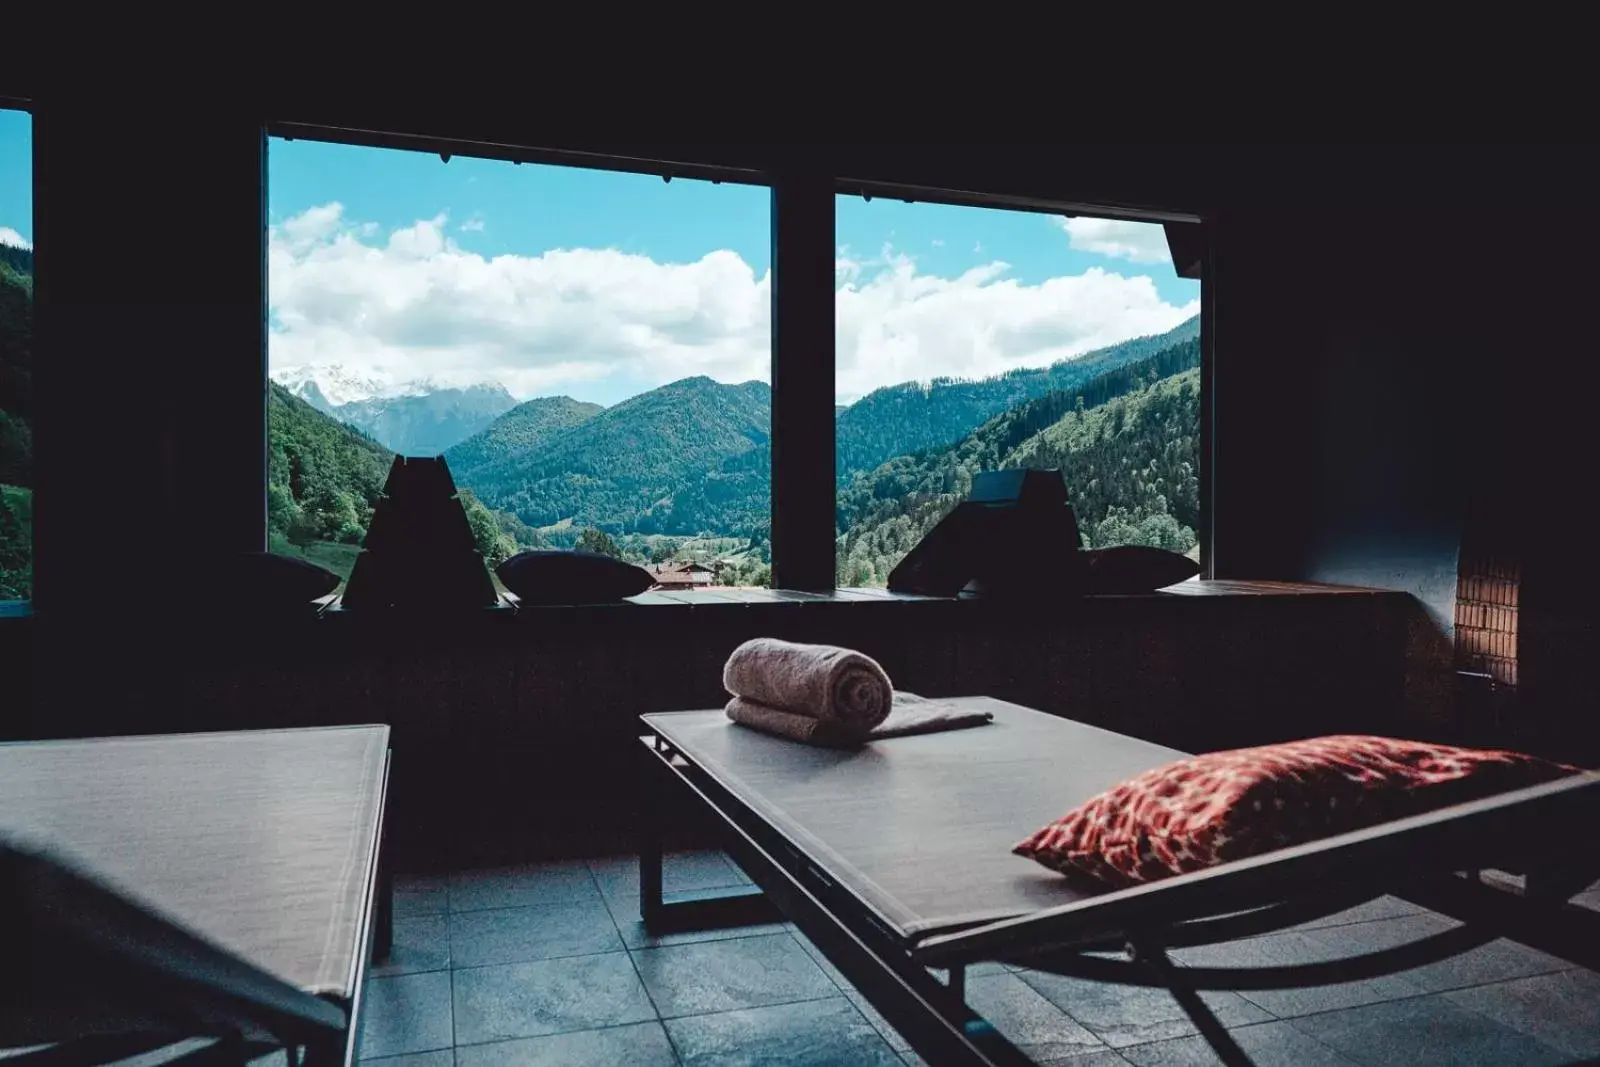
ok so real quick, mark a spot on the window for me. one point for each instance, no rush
(16, 355)
(970, 339)
(590, 350)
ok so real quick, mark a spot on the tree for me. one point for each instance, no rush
(16, 544)
(493, 544)
(16, 451)
(598, 541)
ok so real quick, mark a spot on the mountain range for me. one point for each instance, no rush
(416, 418)
(693, 457)
(903, 418)
(632, 467)
(1126, 441)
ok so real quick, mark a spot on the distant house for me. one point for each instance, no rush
(680, 574)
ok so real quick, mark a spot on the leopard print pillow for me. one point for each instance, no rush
(1198, 812)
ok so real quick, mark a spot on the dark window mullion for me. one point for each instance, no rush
(802, 380)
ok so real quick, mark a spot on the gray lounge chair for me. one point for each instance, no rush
(895, 860)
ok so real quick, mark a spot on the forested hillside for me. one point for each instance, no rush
(323, 480)
(1126, 442)
(623, 469)
(16, 423)
(496, 454)
(909, 417)
(323, 477)
(424, 424)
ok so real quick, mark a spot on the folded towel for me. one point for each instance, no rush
(821, 682)
(911, 714)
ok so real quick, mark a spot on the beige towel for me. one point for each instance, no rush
(911, 714)
(822, 682)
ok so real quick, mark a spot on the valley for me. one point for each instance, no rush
(683, 471)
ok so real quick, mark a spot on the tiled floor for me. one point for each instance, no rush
(551, 965)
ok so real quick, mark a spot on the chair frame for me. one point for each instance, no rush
(1433, 860)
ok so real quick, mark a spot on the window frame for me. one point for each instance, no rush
(912, 194)
(802, 532)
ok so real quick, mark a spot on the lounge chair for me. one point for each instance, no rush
(894, 859)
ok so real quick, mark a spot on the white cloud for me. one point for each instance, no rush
(1141, 242)
(11, 237)
(311, 226)
(415, 305)
(901, 325)
(938, 242)
(472, 225)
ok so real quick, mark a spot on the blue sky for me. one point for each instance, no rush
(16, 173)
(528, 208)
(388, 267)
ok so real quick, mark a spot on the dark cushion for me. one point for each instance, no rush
(1205, 810)
(540, 577)
(266, 579)
(1134, 569)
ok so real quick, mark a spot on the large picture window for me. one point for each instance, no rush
(16, 355)
(970, 339)
(590, 351)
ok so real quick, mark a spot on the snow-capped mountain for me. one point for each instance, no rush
(419, 418)
(333, 385)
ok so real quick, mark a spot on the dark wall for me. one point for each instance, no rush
(1400, 336)
(1343, 370)
(1404, 347)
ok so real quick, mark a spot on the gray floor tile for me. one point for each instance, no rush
(1122, 1015)
(438, 1058)
(1561, 1010)
(879, 1023)
(420, 944)
(1424, 1032)
(713, 976)
(635, 1045)
(1494, 962)
(680, 872)
(517, 887)
(975, 971)
(625, 912)
(514, 935)
(822, 961)
(421, 895)
(406, 1013)
(819, 1033)
(1100, 1057)
(1026, 1018)
(1267, 1045)
(547, 997)
(1384, 907)
(1290, 948)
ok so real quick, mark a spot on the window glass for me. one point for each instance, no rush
(589, 350)
(971, 339)
(16, 355)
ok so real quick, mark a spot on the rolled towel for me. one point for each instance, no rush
(837, 685)
(911, 714)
